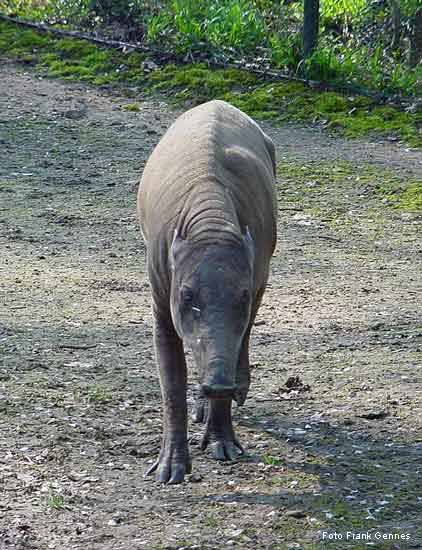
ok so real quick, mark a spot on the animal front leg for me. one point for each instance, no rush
(243, 375)
(173, 461)
(243, 371)
(219, 433)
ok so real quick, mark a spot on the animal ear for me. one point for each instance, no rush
(250, 245)
(176, 246)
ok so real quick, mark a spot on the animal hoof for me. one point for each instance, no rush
(226, 450)
(169, 468)
(223, 449)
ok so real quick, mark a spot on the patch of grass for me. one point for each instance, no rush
(352, 116)
(401, 196)
(227, 23)
(300, 182)
(54, 501)
(197, 83)
(385, 121)
(341, 514)
(99, 394)
(132, 107)
(211, 521)
(270, 460)
(256, 27)
(69, 58)
(411, 198)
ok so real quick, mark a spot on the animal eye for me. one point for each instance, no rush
(187, 296)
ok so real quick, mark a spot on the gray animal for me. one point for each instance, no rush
(207, 208)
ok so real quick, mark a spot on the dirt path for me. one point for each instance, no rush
(79, 396)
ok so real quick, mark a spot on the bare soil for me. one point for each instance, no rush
(337, 449)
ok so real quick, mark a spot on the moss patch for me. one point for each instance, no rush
(381, 120)
(194, 84)
(133, 107)
(197, 83)
(409, 198)
(353, 116)
(299, 181)
(69, 58)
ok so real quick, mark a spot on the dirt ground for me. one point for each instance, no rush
(80, 409)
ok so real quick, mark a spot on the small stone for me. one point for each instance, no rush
(75, 114)
(295, 514)
(115, 521)
(194, 478)
(374, 415)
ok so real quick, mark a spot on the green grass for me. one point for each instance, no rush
(187, 85)
(339, 8)
(54, 501)
(353, 116)
(99, 394)
(408, 197)
(386, 187)
(227, 23)
(132, 107)
(197, 83)
(270, 460)
(411, 198)
(68, 58)
(255, 28)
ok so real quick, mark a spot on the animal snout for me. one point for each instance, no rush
(218, 391)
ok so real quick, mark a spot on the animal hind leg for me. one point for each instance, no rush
(219, 433)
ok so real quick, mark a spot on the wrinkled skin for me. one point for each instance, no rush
(211, 298)
(208, 215)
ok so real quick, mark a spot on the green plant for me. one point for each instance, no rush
(341, 8)
(55, 501)
(99, 394)
(346, 52)
(125, 11)
(229, 23)
(234, 23)
(272, 460)
(133, 107)
(409, 7)
(286, 50)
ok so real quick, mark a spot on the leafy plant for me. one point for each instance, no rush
(271, 460)
(354, 45)
(333, 9)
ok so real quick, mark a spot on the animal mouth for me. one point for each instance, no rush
(218, 391)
